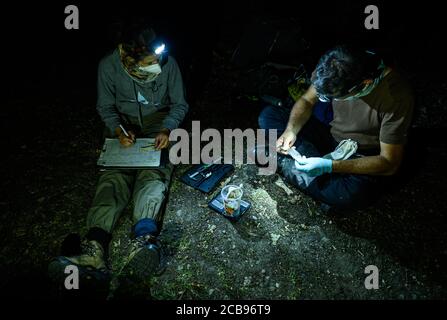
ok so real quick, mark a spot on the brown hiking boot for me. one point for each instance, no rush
(144, 258)
(90, 263)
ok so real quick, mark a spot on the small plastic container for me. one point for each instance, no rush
(231, 197)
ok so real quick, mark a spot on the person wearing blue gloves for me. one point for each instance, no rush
(343, 160)
(314, 166)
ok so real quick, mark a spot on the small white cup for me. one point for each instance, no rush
(231, 197)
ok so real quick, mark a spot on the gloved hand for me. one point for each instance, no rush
(314, 166)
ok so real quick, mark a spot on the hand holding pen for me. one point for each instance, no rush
(127, 138)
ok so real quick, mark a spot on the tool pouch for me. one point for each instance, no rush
(206, 179)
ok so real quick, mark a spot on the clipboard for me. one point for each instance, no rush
(140, 155)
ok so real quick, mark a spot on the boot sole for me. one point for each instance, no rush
(90, 279)
(144, 263)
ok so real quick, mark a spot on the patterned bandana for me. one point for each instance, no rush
(129, 60)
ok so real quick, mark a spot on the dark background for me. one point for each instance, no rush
(44, 58)
(51, 130)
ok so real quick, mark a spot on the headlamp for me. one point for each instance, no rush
(159, 49)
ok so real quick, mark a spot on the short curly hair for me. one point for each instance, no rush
(342, 68)
(136, 39)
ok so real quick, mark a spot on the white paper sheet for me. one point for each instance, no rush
(140, 154)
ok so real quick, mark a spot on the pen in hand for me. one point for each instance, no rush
(130, 137)
(124, 131)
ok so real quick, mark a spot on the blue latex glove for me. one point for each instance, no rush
(314, 166)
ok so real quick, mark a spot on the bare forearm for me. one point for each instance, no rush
(374, 165)
(301, 112)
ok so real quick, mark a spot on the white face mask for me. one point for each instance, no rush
(153, 68)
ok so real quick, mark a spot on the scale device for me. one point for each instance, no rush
(217, 205)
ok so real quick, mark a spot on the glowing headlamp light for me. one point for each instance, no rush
(159, 49)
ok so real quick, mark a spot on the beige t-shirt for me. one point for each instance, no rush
(384, 115)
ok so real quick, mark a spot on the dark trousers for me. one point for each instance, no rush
(315, 140)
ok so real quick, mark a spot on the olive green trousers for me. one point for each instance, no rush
(147, 188)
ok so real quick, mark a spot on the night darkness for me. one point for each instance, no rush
(52, 135)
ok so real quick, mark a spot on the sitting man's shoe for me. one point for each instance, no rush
(282, 162)
(144, 258)
(90, 263)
